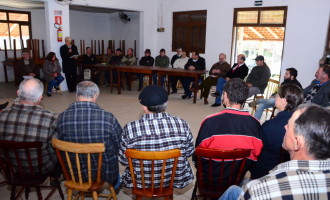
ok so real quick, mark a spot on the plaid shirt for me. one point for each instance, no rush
(295, 179)
(158, 132)
(86, 122)
(29, 123)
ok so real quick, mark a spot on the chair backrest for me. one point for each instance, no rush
(142, 161)
(77, 149)
(18, 161)
(229, 169)
(271, 88)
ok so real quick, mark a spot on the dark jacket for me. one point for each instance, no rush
(69, 65)
(259, 77)
(147, 61)
(88, 60)
(115, 60)
(199, 64)
(224, 68)
(50, 68)
(294, 82)
(240, 72)
(322, 96)
(25, 70)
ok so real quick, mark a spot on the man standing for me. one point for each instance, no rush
(239, 70)
(218, 70)
(26, 66)
(146, 60)
(27, 121)
(318, 91)
(158, 131)
(194, 63)
(69, 54)
(174, 79)
(85, 122)
(161, 61)
(307, 174)
(258, 78)
(238, 129)
(290, 77)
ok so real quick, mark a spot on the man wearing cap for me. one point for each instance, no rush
(157, 130)
(146, 60)
(115, 60)
(258, 78)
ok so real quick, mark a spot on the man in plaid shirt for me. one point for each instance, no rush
(156, 130)
(307, 175)
(85, 122)
(27, 121)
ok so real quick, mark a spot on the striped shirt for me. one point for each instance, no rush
(159, 132)
(30, 123)
(295, 179)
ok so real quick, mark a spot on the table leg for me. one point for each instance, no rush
(5, 71)
(195, 88)
(111, 80)
(168, 84)
(118, 82)
(150, 79)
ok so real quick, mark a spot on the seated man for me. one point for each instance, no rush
(232, 128)
(26, 66)
(115, 60)
(307, 174)
(174, 79)
(258, 78)
(318, 91)
(27, 121)
(128, 59)
(194, 63)
(146, 60)
(290, 77)
(85, 122)
(161, 61)
(158, 131)
(178, 64)
(88, 59)
(239, 70)
(218, 70)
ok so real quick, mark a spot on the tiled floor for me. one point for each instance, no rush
(126, 108)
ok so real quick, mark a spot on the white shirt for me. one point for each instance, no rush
(180, 62)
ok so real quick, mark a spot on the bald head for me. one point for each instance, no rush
(222, 57)
(30, 91)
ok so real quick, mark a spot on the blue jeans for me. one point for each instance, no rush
(54, 83)
(220, 84)
(262, 105)
(232, 193)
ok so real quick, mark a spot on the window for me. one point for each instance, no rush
(14, 25)
(189, 31)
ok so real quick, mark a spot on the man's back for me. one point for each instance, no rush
(86, 122)
(159, 132)
(303, 179)
(29, 123)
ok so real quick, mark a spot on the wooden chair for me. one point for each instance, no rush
(149, 187)
(24, 174)
(71, 183)
(231, 171)
(271, 88)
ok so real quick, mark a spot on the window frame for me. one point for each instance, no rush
(20, 23)
(189, 25)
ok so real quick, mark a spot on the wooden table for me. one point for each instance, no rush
(196, 74)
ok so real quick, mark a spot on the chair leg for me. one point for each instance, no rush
(193, 195)
(39, 193)
(27, 191)
(60, 189)
(95, 197)
(13, 191)
(69, 194)
(113, 192)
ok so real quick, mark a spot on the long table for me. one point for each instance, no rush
(161, 71)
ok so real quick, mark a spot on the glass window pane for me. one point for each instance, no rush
(15, 34)
(4, 35)
(272, 17)
(3, 16)
(18, 17)
(25, 34)
(247, 17)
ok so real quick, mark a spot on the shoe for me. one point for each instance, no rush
(57, 88)
(184, 96)
(253, 104)
(189, 97)
(49, 94)
(174, 92)
(215, 94)
(140, 89)
(216, 105)
(206, 101)
(3, 106)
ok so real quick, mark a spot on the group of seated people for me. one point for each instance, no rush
(301, 128)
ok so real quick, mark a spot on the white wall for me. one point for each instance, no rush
(305, 38)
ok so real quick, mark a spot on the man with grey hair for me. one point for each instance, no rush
(27, 121)
(307, 174)
(158, 131)
(85, 122)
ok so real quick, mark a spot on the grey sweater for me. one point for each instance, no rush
(259, 77)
